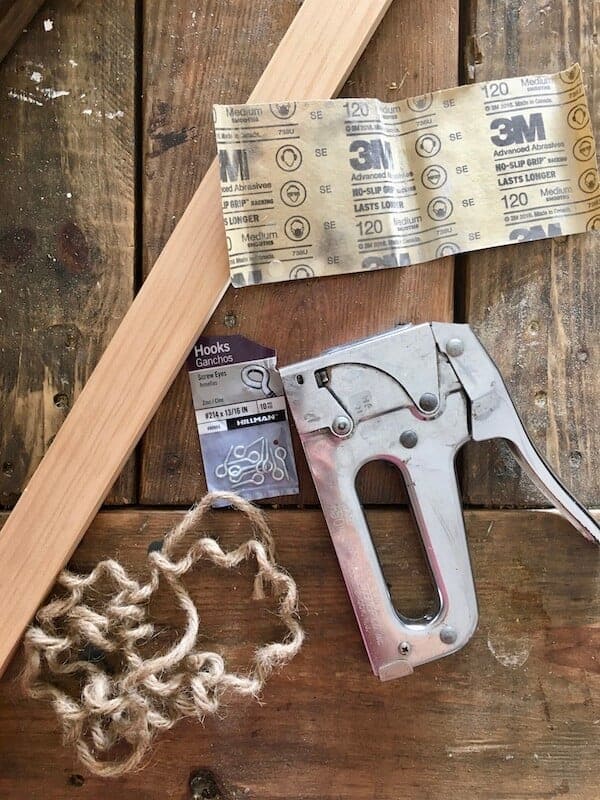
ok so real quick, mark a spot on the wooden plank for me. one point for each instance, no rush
(66, 235)
(14, 16)
(315, 315)
(534, 304)
(513, 715)
(149, 346)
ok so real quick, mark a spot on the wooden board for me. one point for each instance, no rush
(516, 714)
(535, 304)
(154, 338)
(409, 54)
(66, 221)
(14, 16)
(513, 715)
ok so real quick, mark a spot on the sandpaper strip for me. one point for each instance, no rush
(320, 188)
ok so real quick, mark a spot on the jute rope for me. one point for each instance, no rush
(112, 715)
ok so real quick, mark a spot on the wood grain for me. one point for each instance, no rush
(14, 17)
(66, 222)
(409, 54)
(151, 343)
(513, 715)
(535, 305)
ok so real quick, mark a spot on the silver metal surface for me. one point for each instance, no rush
(409, 438)
(342, 425)
(455, 347)
(448, 634)
(428, 402)
(494, 416)
(413, 397)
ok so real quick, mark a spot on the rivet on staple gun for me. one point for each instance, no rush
(412, 396)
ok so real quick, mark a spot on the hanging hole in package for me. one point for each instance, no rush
(242, 418)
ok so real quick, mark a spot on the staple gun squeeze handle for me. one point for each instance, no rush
(412, 396)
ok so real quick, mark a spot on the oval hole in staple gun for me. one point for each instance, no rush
(399, 546)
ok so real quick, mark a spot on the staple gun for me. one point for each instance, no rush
(412, 396)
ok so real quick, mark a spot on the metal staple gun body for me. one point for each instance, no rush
(412, 396)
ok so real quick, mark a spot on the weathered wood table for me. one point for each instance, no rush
(96, 170)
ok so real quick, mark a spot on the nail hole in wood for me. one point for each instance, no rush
(61, 400)
(204, 786)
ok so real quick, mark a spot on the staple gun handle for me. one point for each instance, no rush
(494, 416)
(546, 481)
(436, 505)
(396, 644)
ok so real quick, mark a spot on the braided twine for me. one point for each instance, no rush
(112, 716)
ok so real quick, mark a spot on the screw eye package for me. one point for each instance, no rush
(242, 418)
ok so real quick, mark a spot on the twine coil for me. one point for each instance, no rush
(113, 717)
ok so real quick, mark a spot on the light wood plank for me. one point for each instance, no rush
(149, 346)
(513, 715)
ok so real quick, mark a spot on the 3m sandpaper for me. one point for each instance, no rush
(324, 187)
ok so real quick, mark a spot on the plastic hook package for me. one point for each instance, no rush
(242, 418)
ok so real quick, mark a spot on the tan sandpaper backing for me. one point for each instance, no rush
(324, 187)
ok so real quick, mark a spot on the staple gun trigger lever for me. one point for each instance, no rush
(412, 396)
